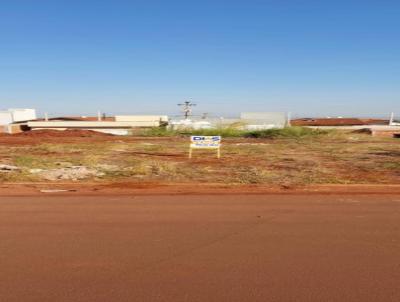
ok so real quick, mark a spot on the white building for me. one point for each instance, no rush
(10, 116)
(190, 124)
(16, 115)
(264, 120)
(5, 118)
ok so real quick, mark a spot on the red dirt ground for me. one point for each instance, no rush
(367, 175)
(200, 248)
(69, 136)
(159, 188)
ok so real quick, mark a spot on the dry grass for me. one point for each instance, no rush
(311, 159)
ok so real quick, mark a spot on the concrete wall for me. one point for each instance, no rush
(5, 118)
(15, 128)
(3, 129)
(91, 124)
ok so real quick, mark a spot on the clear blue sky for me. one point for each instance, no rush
(308, 57)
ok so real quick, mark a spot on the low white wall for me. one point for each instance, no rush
(92, 124)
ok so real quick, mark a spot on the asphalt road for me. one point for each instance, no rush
(200, 248)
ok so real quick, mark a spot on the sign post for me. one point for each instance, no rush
(205, 142)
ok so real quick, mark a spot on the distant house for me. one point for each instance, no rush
(338, 122)
(10, 116)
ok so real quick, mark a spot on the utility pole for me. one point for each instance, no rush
(187, 108)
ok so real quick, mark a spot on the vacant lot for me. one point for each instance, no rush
(331, 158)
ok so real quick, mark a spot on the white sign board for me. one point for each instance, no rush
(205, 142)
(210, 142)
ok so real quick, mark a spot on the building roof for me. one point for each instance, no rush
(337, 122)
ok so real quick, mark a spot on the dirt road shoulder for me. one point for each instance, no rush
(28, 189)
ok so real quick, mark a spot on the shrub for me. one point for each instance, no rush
(288, 132)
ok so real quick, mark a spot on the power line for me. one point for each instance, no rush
(187, 108)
